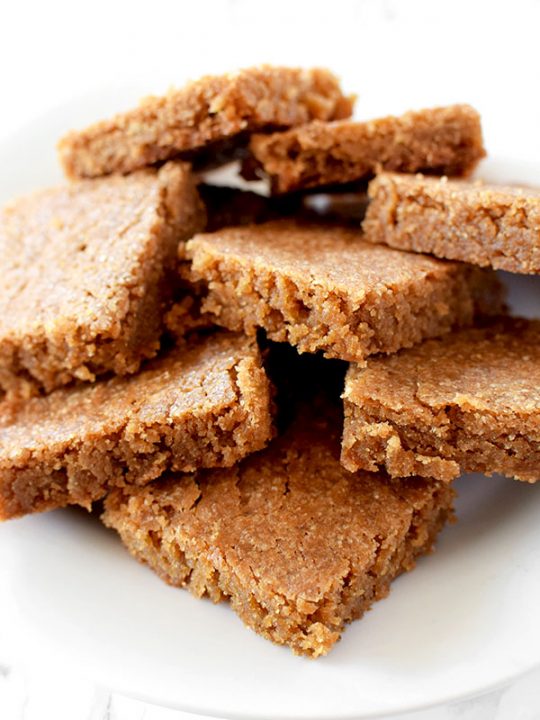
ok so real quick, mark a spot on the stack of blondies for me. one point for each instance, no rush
(267, 396)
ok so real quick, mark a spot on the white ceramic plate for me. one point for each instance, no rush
(464, 621)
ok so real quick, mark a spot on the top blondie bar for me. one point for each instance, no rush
(443, 140)
(206, 112)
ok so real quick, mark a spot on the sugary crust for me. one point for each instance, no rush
(86, 271)
(323, 288)
(445, 140)
(298, 545)
(487, 225)
(204, 112)
(468, 402)
(204, 405)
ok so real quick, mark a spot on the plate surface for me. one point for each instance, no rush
(464, 621)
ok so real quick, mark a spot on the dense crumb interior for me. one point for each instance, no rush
(297, 544)
(203, 405)
(87, 268)
(445, 140)
(209, 110)
(487, 225)
(465, 403)
(322, 288)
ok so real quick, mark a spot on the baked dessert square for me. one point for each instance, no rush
(297, 545)
(323, 288)
(443, 140)
(206, 404)
(488, 225)
(86, 270)
(468, 402)
(206, 113)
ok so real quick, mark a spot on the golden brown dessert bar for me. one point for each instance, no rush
(226, 207)
(204, 405)
(323, 288)
(488, 225)
(468, 402)
(86, 269)
(208, 111)
(298, 545)
(445, 140)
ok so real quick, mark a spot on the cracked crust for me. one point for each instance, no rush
(86, 271)
(469, 402)
(445, 140)
(488, 225)
(323, 288)
(204, 405)
(299, 546)
(205, 112)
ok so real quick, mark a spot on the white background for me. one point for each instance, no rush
(396, 54)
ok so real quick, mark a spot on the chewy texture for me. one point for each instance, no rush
(488, 225)
(469, 402)
(298, 545)
(86, 269)
(323, 288)
(445, 140)
(206, 405)
(206, 112)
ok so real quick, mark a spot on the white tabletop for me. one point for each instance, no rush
(395, 54)
(38, 696)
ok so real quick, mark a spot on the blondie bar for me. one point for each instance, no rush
(321, 287)
(208, 111)
(445, 140)
(86, 269)
(468, 402)
(488, 225)
(204, 405)
(298, 545)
